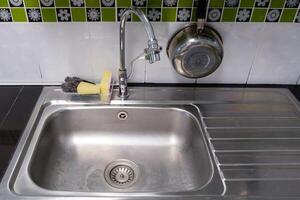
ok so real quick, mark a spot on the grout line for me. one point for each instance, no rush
(9, 7)
(176, 11)
(42, 16)
(281, 13)
(238, 11)
(268, 9)
(101, 11)
(161, 10)
(297, 12)
(71, 13)
(55, 9)
(252, 11)
(252, 65)
(85, 13)
(11, 107)
(116, 12)
(41, 74)
(259, 48)
(298, 80)
(26, 14)
(223, 9)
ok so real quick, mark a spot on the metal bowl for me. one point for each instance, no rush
(193, 54)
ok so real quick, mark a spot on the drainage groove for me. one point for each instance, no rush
(121, 173)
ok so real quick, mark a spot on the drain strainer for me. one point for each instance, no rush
(121, 173)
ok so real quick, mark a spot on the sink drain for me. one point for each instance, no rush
(122, 115)
(121, 173)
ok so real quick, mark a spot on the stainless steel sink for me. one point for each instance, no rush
(77, 144)
(161, 143)
(78, 147)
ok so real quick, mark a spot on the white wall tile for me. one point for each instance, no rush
(18, 54)
(64, 51)
(241, 42)
(47, 52)
(103, 48)
(278, 60)
(105, 53)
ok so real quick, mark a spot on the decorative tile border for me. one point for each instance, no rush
(157, 10)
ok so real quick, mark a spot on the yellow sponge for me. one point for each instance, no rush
(106, 82)
(103, 88)
(88, 88)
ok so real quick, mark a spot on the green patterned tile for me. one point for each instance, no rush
(31, 3)
(262, 3)
(247, 3)
(108, 14)
(19, 14)
(78, 14)
(124, 3)
(154, 3)
(229, 14)
(277, 3)
(34, 14)
(244, 15)
(63, 15)
(214, 14)
(108, 3)
(292, 4)
(4, 3)
(288, 15)
(169, 14)
(216, 3)
(273, 15)
(92, 3)
(158, 10)
(62, 3)
(259, 15)
(232, 3)
(5, 15)
(185, 3)
(48, 14)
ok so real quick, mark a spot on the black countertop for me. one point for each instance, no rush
(17, 103)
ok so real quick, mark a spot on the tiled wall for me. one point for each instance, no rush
(45, 53)
(156, 10)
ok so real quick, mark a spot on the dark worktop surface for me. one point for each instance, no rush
(16, 105)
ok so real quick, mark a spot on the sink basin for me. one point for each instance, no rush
(92, 149)
(77, 144)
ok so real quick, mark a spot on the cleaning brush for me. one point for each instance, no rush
(71, 84)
